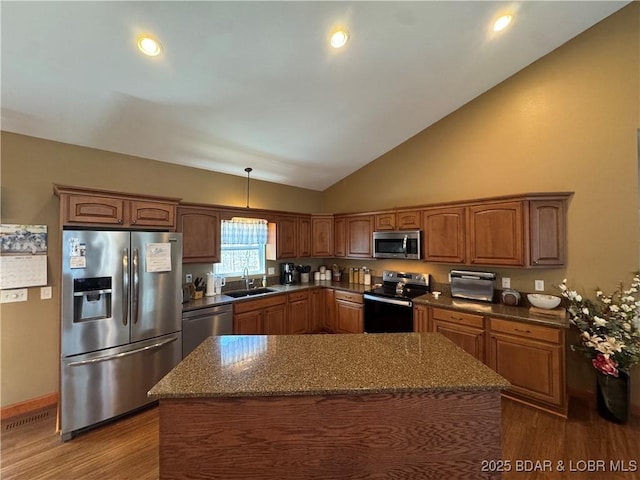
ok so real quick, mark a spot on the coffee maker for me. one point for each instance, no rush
(286, 273)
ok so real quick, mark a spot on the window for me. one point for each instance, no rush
(242, 245)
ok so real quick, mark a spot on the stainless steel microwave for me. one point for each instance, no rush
(406, 244)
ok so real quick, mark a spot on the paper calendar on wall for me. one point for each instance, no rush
(23, 256)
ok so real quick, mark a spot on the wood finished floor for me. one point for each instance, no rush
(128, 448)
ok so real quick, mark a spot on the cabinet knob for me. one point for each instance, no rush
(134, 221)
(119, 220)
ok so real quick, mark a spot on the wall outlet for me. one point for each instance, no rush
(506, 282)
(10, 296)
(45, 293)
(188, 278)
(271, 271)
(539, 285)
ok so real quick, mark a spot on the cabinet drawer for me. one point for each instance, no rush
(270, 301)
(457, 317)
(296, 296)
(527, 330)
(348, 296)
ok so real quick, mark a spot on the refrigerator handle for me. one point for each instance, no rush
(125, 286)
(136, 286)
(123, 354)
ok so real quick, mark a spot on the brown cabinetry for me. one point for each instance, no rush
(322, 235)
(464, 329)
(421, 318)
(340, 237)
(531, 357)
(349, 312)
(316, 309)
(398, 220)
(265, 316)
(444, 235)
(80, 206)
(286, 237)
(526, 231)
(304, 236)
(359, 236)
(330, 322)
(200, 227)
(298, 312)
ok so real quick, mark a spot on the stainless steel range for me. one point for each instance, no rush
(389, 308)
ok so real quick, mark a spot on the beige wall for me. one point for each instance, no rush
(29, 340)
(568, 122)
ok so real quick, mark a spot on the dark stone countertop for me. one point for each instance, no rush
(290, 365)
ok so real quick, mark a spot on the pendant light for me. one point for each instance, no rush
(248, 170)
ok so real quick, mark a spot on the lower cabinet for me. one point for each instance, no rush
(421, 318)
(349, 312)
(330, 323)
(464, 329)
(532, 358)
(298, 312)
(316, 309)
(265, 316)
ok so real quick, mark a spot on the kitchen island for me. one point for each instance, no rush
(406, 405)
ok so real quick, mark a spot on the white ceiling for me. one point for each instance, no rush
(255, 84)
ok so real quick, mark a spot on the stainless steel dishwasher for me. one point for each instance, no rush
(205, 322)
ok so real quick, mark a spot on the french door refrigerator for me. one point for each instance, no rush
(121, 321)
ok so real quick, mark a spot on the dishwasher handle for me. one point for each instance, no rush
(208, 312)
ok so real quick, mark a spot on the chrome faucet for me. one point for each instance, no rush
(245, 275)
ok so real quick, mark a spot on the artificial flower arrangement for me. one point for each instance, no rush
(609, 326)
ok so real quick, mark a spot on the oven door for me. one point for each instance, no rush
(387, 315)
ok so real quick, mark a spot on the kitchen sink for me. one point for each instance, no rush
(249, 293)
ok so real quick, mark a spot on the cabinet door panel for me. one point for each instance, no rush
(287, 237)
(274, 320)
(316, 309)
(298, 319)
(339, 237)
(322, 236)
(421, 318)
(385, 221)
(152, 214)
(444, 234)
(200, 235)
(248, 323)
(359, 236)
(496, 234)
(409, 220)
(533, 368)
(95, 209)
(547, 225)
(470, 339)
(330, 322)
(304, 237)
(349, 317)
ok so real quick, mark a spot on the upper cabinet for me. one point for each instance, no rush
(88, 207)
(339, 236)
(527, 231)
(398, 220)
(322, 235)
(359, 236)
(283, 238)
(304, 236)
(200, 227)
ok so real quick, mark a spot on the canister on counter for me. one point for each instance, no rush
(367, 276)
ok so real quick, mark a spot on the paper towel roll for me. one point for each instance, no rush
(211, 287)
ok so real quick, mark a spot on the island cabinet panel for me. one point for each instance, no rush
(532, 358)
(322, 236)
(262, 316)
(340, 237)
(200, 229)
(496, 234)
(316, 309)
(304, 236)
(349, 312)
(440, 435)
(464, 329)
(298, 312)
(548, 232)
(359, 236)
(444, 234)
(421, 318)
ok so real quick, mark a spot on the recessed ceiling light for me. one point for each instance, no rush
(502, 22)
(149, 45)
(339, 38)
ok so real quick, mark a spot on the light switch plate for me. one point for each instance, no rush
(188, 278)
(271, 271)
(45, 293)
(506, 282)
(16, 295)
(539, 285)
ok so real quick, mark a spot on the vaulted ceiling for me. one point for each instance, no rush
(256, 84)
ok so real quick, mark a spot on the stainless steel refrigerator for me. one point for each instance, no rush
(121, 321)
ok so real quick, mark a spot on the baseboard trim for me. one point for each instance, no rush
(28, 406)
(590, 397)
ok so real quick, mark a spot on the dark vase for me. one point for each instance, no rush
(613, 396)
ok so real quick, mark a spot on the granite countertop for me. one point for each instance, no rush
(497, 310)
(289, 365)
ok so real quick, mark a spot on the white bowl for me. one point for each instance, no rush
(543, 301)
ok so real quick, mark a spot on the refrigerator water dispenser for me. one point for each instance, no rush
(91, 299)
